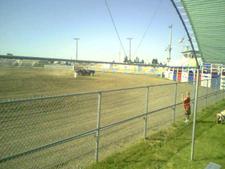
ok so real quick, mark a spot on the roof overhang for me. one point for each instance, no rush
(207, 18)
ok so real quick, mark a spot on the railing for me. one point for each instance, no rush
(78, 129)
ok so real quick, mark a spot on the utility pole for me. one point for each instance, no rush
(76, 39)
(129, 47)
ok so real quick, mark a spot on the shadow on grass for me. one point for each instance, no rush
(206, 122)
(216, 158)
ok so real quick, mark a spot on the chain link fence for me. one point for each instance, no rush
(73, 131)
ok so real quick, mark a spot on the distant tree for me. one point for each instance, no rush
(9, 54)
(125, 59)
(155, 61)
(136, 60)
(160, 64)
(142, 61)
(131, 61)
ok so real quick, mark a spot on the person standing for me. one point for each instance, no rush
(187, 106)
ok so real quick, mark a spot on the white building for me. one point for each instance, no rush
(186, 60)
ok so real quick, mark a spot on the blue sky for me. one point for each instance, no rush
(46, 28)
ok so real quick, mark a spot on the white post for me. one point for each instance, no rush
(206, 101)
(146, 111)
(98, 125)
(75, 74)
(194, 117)
(175, 104)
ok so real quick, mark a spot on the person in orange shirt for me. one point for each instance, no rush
(187, 106)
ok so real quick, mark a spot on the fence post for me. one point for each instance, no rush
(194, 114)
(223, 92)
(206, 99)
(192, 99)
(217, 91)
(98, 125)
(146, 111)
(223, 88)
(175, 104)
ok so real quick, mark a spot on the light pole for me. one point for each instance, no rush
(76, 39)
(170, 43)
(129, 47)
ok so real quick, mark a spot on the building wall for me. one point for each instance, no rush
(124, 68)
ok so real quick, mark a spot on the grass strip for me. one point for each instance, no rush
(170, 148)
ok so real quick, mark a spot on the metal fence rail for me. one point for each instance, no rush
(78, 129)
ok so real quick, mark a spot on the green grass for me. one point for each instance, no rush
(170, 149)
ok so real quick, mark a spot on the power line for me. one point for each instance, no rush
(148, 26)
(114, 25)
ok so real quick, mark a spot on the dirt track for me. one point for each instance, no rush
(28, 125)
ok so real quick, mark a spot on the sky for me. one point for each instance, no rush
(46, 28)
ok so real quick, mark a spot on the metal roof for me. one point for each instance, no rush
(207, 18)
